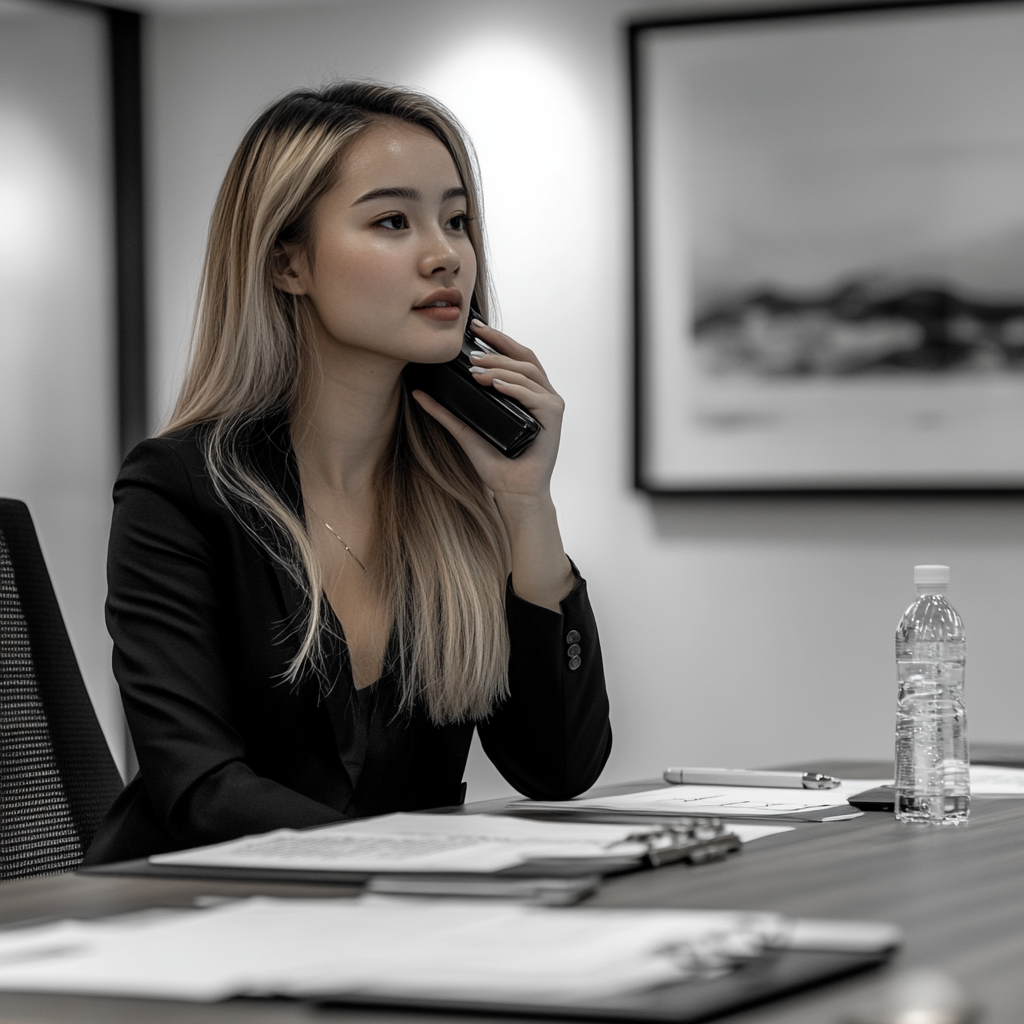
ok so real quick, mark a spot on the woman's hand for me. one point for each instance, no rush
(514, 371)
(521, 486)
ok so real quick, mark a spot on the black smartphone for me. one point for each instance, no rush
(881, 799)
(501, 420)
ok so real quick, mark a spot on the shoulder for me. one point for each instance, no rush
(171, 463)
(164, 499)
(173, 468)
(182, 447)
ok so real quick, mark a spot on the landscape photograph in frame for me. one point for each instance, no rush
(829, 218)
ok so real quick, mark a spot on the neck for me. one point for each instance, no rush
(345, 415)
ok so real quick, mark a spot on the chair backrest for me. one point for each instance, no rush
(57, 778)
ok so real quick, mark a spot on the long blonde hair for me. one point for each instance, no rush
(442, 547)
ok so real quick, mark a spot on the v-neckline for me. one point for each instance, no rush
(276, 433)
(382, 673)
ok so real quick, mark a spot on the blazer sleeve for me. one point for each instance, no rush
(551, 737)
(168, 614)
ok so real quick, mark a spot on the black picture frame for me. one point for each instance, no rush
(989, 468)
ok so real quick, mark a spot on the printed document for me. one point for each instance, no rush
(426, 843)
(720, 801)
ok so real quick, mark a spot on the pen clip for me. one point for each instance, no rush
(815, 780)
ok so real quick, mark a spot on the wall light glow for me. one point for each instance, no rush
(28, 187)
(531, 126)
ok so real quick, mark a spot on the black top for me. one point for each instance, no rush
(200, 617)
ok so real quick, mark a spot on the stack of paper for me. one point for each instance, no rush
(470, 843)
(720, 801)
(395, 948)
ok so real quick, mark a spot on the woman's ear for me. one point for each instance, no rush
(289, 269)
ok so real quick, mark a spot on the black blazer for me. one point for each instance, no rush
(200, 614)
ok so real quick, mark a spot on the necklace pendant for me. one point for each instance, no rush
(346, 547)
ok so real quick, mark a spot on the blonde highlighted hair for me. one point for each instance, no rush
(443, 551)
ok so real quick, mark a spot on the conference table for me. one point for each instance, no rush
(957, 892)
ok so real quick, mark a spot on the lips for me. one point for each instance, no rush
(444, 304)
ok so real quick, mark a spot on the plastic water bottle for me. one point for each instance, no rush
(932, 763)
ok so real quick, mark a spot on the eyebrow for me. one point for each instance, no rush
(405, 192)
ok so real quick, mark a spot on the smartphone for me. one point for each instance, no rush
(881, 799)
(501, 420)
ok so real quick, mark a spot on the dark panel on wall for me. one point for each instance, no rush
(126, 80)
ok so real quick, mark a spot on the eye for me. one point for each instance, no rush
(393, 222)
(460, 222)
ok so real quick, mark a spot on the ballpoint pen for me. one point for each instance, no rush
(746, 777)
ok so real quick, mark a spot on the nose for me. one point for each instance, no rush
(439, 259)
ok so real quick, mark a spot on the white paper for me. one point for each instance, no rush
(425, 948)
(719, 801)
(993, 780)
(420, 843)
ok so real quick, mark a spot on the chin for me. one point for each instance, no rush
(438, 351)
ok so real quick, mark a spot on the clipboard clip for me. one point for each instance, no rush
(695, 840)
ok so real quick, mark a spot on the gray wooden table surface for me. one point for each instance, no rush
(957, 892)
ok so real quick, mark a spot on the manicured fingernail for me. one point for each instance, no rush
(501, 382)
(478, 323)
(477, 355)
(477, 369)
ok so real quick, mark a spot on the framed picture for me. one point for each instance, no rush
(829, 218)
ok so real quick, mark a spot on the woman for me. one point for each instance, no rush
(321, 582)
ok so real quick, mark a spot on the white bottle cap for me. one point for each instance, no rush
(938, 574)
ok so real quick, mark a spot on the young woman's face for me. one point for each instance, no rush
(392, 268)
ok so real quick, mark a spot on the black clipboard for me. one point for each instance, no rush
(545, 890)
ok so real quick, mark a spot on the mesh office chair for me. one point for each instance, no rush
(57, 778)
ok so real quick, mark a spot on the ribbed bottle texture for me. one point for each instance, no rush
(932, 761)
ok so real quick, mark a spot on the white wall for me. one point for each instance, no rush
(738, 632)
(56, 312)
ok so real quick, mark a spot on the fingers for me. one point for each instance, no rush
(542, 402)
(491, 369)
(510, 349)
(526, 392)
(514, 371)
(484, 363)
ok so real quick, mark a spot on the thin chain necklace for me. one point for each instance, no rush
(345, 546)
(334, 532)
